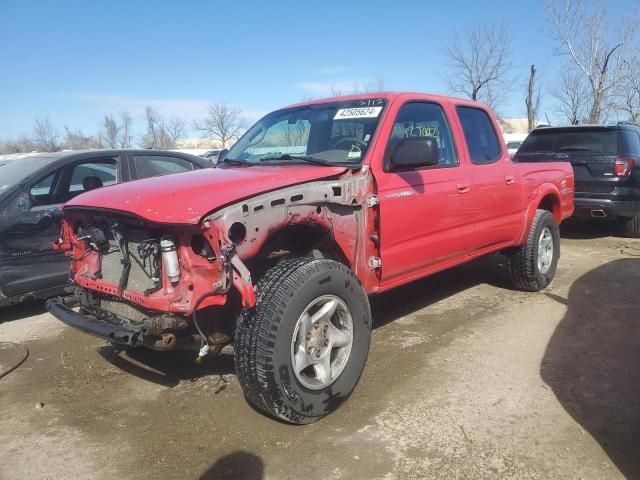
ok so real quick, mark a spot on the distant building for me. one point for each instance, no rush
(515, 125)
(197, 143)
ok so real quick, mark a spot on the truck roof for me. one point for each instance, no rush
(390, 96)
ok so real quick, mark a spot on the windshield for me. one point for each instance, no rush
(15, 171)
(587, 140)
(334, 133)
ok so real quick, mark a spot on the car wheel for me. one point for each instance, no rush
(533, 265)
(300, 352)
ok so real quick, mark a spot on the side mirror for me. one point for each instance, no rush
(416, 152)
(222, 154)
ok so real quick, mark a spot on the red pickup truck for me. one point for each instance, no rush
(317, 207)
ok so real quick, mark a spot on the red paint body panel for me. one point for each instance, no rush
(427, 220)
(184, 198)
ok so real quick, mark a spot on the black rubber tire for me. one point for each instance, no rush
(632, 227)
(523, 263)
(263, 336)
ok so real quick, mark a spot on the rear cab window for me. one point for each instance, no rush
(480, 135)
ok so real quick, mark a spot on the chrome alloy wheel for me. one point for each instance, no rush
(321, 342)
(545, 250)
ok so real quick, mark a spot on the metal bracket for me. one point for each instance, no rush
(372, 200)
(375, 263)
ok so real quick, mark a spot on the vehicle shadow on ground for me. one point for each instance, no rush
(166, 368)
(585, 229)
(238, 465)
(21, 310)
(169, 368)
(592, 362)
(399, 302)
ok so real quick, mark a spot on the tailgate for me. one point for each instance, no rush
(593, 173)
(591, 150)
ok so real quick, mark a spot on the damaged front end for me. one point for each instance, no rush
(169, 286)
(140, 283)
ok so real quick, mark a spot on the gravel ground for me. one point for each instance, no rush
(465, 379)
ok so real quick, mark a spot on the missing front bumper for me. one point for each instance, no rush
(128, 336)
(93, 326)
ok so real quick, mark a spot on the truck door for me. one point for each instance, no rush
(425, 213)
(496, 192)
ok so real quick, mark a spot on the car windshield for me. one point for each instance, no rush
(15, 171)
(327, 133)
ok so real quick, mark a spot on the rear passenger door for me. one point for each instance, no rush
(153, 164)
(496, 193)
(425, 216)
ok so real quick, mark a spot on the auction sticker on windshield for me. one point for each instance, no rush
(362, 112)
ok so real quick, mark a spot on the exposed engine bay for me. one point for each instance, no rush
(169, 286)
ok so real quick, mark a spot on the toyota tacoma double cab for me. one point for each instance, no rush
(317, 207)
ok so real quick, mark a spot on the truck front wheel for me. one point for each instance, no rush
(300, 352)
(533, 265)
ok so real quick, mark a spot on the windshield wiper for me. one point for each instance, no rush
(302, 158)
(235, 161)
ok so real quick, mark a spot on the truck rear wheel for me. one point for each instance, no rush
(632, 227)
(533, 265)
(300, 352)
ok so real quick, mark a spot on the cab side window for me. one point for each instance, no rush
(420, 119)
(482, 140)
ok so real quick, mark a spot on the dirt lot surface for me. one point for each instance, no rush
(466, 379)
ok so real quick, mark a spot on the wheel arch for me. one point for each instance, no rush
(547, 198)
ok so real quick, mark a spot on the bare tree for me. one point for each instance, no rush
(110, 132)
(153, 138)
(480, 60)
(593, 47)
(46, 136)
(126, 124)
(176, 129)
(21, 144)
(533, 99)
(162, 135)
(116, 134)
(572, 95)
(78, 141)
(628, 89)
(223, 123)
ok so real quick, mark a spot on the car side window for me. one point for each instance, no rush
(482, 140)
(421, 119)
(632, 142)
(42, 191)
(157, 165)
(89, 176)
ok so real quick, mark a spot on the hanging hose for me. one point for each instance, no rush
(11, 368)
(204, 349)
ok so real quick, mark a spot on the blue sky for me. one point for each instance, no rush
(76, 60)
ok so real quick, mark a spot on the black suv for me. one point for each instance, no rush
(606, 164)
